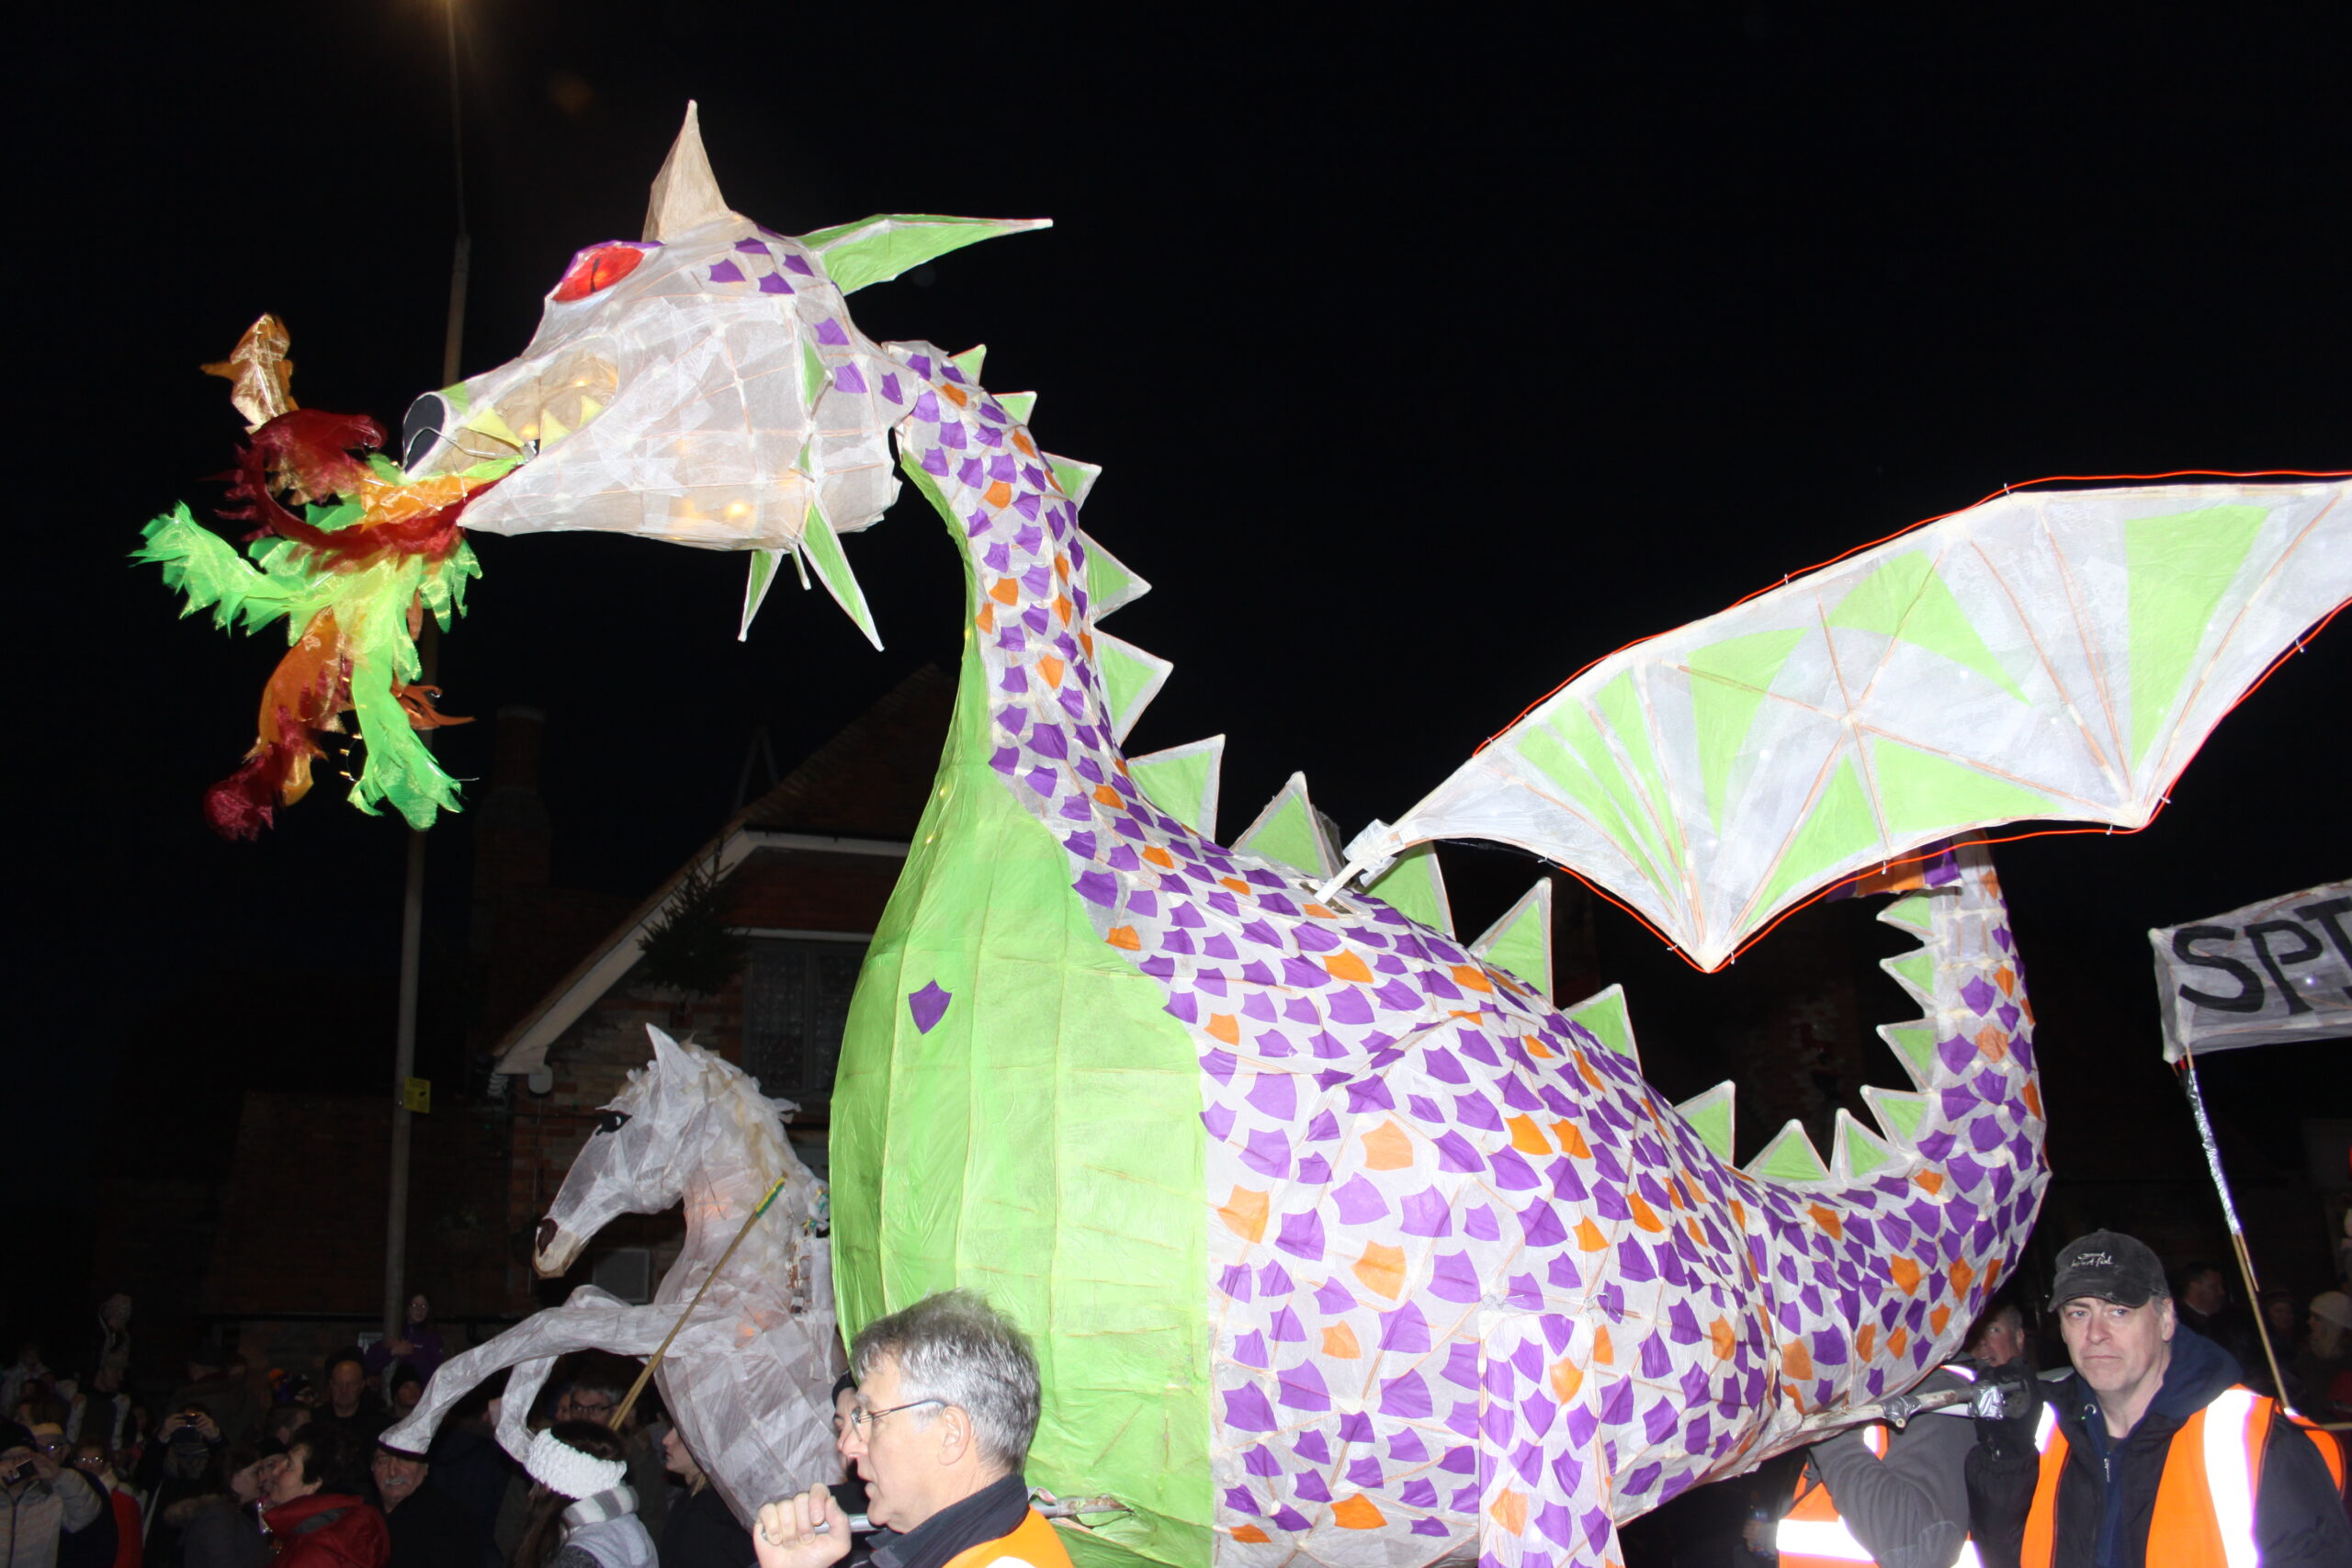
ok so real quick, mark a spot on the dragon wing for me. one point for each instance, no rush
(2046, 654)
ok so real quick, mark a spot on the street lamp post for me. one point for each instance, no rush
(412, 893)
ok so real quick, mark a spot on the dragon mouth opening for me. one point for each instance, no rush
(453, 429)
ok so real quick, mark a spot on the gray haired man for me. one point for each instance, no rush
(947, 1404)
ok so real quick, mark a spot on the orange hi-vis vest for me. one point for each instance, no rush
(1811, 1535)
(2204, 1513)
(1033, 1543)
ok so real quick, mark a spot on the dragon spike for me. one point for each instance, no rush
(1131, 678)
(1789, 1156)
(756, 586)
(1603, 1016)
(1020, 405)
(1915, 1048)
(1857, 1151)
(1182, 780)
(877, 249)
(821, 549)
(1415, 885)
(1075, 478)
(1291, 830)
(685, 193)
(1521, 941)
(1899, 1114)
(970, 360)
(1110, 585)
(1713, 1116)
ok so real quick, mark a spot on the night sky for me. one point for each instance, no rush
(1429, 353)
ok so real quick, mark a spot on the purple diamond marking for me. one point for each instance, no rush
(928, 1005)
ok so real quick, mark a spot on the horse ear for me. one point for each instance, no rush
(667, 1055)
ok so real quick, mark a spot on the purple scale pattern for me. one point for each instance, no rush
(1501, 1205)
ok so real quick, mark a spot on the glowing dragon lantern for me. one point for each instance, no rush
(1341, 1242)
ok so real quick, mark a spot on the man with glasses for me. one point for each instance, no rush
(44, 1500)
(947, 1403)
(599, 1380)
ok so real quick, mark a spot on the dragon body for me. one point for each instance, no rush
(1341, 1242)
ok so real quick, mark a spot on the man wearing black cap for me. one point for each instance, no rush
(2152, 1455)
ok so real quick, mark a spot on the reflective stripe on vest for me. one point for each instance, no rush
(2205, 1499)
(1811, 1535)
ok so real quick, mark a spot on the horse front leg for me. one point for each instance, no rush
(590, 1320)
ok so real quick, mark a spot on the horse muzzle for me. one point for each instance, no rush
(553, 1248)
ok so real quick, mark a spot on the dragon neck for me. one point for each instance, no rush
(1903, 1236)
(1030, 614)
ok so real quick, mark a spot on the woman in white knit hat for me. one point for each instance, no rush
(583, 1514)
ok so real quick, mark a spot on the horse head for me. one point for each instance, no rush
(643, 1153)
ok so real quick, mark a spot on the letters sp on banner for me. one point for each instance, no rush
(2274, 971)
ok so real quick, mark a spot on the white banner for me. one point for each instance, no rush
(2272, 972)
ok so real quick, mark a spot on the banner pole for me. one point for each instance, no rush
(2230, 1212)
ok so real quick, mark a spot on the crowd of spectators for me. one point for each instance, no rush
(236, 1468)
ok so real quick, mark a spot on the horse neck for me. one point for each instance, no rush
(733, 1170)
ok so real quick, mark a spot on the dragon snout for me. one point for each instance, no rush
(421, 429)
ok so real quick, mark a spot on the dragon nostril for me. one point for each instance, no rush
(421, 429)
(548, 1229)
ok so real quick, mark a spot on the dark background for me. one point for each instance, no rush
(1429, 353)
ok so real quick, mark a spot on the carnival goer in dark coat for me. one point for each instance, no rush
(349, 1406)
(2090, 1499)
(700, 1532)
(429, 1528)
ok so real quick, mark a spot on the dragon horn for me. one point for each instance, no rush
(685, 193)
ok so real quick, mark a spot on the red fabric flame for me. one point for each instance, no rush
(309, 451)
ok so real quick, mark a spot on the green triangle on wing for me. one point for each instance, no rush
(1415, 885)
(2177, 570)
(1836, 829)
(1289, 830)
(1789, 1156)
(1520, 942)
(877, 249)
(1182, 780)
(1921, 794)
(822, 548)
(1906, 598)
(1603, 1014)
(1729, 680)
(755, 587)
(1131, 678)
(1111, 584)
(1713, 1116)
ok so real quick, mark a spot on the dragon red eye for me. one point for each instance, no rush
(599, 266)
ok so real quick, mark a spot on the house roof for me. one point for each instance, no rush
(872, 776)
(860, 793)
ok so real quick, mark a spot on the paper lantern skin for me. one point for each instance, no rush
(1340, 1243)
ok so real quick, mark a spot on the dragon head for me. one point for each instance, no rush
(704, 385)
